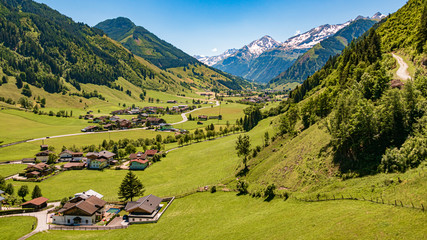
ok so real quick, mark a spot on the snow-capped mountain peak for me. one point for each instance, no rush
(210, 61)
(261, 45)
(378, 15)
(312, 37)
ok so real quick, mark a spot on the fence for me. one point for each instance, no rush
(86, 228)
(395, 203)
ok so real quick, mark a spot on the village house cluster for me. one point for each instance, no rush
(38, 167)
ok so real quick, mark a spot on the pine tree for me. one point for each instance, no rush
(131, 187)
(37, 192)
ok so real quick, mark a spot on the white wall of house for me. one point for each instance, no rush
(69, 219)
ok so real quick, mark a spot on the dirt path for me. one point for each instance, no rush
(402, 72)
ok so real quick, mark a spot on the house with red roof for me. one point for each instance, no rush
(138, 164)
(36, 203)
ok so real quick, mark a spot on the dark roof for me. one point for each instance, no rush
(148, 203)
(44, 153)
(36, 201)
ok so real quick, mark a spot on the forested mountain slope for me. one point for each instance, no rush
(350, 118)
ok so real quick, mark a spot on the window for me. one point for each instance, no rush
(87, 221)
(68, 221)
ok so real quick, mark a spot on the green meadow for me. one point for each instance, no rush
(227, 216)
(181, 171)
(15, 227)
(11, 169)
(19, 125)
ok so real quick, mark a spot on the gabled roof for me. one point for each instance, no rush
(138, 155)
(44, 153)
(148, 203)
(2, 198)
(1, 191)
(89, 205)
(36, 201)
(151, 152)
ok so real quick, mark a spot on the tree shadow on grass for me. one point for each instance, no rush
(269, 198)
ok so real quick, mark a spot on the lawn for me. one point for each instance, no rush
(11, 169)
(183, 170)
(227, 216)
(15, 227)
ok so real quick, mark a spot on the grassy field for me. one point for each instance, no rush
(10, 169)
(227, 216)
(26, 150)
(19, 125)
(181, 171)
(15, 227)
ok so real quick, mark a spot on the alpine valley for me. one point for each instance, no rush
(110, 132)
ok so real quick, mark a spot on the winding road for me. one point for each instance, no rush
(402, 72)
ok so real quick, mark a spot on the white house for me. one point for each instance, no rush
(80, 211)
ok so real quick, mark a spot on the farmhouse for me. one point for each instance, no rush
(37, 170)
(80, 212)
(74, 166)
(155, 121)
(69, 156)
(151, 152)
(90, 129)
(43, 156)
(36, 203)
(145, 207)
(99, 160)
(138, 164)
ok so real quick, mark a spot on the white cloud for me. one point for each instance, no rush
(215, 50)
(298, 32)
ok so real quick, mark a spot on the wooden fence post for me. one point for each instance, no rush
(395, 203)
(422, 206)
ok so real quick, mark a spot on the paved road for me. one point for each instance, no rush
(184, 117)
(402, 72)
(42, 220)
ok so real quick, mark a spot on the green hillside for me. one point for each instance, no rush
(143, 43)
(347, 121)
(316, 57)
(164, 55)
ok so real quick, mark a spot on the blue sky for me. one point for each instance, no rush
(210, 27)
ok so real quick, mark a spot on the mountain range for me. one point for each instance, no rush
(318, 55)
(265, 58)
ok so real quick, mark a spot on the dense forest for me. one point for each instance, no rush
(375, 126)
